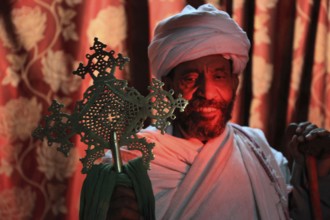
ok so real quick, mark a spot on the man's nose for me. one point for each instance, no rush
(206, 89)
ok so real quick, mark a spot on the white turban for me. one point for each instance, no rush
(195, 33)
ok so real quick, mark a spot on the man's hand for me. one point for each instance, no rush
(123, 205)
(307, 138)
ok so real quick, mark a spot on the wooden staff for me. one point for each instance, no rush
(314, 187)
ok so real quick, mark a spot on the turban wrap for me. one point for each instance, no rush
(194, 33)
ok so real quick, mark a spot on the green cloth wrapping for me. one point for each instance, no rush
(100, 182)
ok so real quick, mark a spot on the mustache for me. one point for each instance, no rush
(200, 103)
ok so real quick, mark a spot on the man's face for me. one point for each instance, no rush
(209, 86)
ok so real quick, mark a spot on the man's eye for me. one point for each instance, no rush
(189, 79)
(219, 75)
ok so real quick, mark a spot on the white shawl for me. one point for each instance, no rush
(223, 179)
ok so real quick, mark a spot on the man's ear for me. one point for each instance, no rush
(168, 82)
(235, 81)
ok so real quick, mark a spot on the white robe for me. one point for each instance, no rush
(222, 179)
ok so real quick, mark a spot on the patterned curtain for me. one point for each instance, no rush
(287, 77)
(42, 42)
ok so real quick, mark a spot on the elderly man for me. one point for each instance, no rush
(206, 167)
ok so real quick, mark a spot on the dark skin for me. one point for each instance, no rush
(210, 86)
(210, 78)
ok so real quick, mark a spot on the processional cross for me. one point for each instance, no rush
(110, 113)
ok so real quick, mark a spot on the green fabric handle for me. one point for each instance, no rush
(101, 181)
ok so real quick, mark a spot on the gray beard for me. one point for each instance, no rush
(195, 126)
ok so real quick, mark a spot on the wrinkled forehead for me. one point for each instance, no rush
(210, 61)
(207, 63)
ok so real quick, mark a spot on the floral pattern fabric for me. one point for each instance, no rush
(35, 179)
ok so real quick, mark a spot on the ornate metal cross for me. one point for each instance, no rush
(110, 113)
